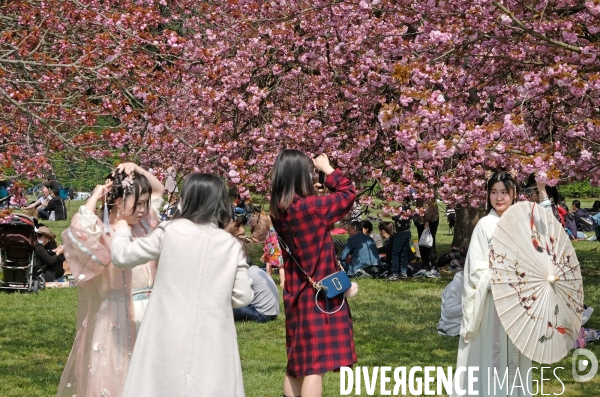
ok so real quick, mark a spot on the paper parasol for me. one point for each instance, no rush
(536, 282)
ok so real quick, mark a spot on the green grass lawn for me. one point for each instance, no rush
(394, 324)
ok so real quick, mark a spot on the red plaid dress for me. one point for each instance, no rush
(316, 342)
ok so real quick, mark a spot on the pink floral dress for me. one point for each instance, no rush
(110, 308)
(272, 250)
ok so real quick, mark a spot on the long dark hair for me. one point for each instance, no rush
(292, 174)
(136, 188)
(387, 226)
(204, 200)
(551, 191)
(509, 183)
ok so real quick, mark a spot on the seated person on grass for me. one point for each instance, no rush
(50, 260)
(386, 229)
(33, 208)
(265, 304)
(361, 248)
(583, 219)
(449, 323)
(368, 231)
(56, 204)
(260, 224)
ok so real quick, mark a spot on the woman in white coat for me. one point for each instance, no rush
(483, 341)
(187, 345)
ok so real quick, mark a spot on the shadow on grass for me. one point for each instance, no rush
(394, 323)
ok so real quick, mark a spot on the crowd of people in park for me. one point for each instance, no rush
(127, 250)
(121, 253)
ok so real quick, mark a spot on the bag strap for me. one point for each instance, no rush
(318, 287)
(327, 304)
(284, 245)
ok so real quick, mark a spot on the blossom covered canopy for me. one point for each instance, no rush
(415, 94)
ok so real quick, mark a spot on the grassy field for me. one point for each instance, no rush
(394, 324)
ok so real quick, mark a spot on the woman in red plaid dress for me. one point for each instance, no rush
(316, 342)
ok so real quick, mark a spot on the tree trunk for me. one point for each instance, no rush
(466, 219)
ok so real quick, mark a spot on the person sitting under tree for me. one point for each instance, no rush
(265, 304)
(40, 204)
(56, 204)
(50, 260)
(361, 248)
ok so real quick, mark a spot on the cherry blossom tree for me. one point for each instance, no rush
(492, 85)
(421, 96)
(72, 74)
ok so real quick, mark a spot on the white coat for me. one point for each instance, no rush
(187, 344)
(483, 341)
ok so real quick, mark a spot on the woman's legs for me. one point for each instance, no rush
(313, 386)
(281, 277)
(292, 387)
(428, 253)
(433, 227)
(308, 386)
(423, 250)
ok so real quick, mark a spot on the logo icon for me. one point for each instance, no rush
(581, 364)
(337, 284)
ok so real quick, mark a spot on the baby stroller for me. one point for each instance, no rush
(18, 239)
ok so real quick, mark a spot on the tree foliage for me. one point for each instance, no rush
(579, 190)
(419, 95)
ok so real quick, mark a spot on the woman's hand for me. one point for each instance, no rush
(122, 224)
(320, 189)
(60, 250)
(101, 190)
(157, 187)
(321, 163)
(127, 168)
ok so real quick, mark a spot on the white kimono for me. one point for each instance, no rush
(483, 341)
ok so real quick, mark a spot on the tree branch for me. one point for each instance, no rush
(534, 33)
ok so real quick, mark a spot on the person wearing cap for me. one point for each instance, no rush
(50, 263)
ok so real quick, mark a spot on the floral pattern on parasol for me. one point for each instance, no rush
(536, 282)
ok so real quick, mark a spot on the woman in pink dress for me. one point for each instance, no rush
(111, 300)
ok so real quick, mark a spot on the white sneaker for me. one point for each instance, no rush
(433, 273)
(420, 273)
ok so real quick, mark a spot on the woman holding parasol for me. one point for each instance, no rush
(483, 341)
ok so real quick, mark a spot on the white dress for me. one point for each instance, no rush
(483, 341)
